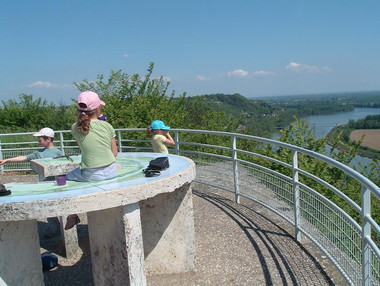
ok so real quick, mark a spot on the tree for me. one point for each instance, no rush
(133, 101)
(28, 114)
(299, 134)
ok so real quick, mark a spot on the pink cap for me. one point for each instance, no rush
(90, 99)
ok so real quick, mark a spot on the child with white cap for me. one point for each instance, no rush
(159, 135)
(46, 140)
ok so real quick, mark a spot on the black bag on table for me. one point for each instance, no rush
(155, 166)
(4, 191)
(160, 163)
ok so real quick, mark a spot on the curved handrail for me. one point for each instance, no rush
(348, 243)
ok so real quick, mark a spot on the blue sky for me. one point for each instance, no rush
(255, 48)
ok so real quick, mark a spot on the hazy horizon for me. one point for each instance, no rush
(343, 93)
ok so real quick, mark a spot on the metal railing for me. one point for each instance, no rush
(242, 165)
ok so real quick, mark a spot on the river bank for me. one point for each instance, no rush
(370, 146)
(371, 139)
(323, 124)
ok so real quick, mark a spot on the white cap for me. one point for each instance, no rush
(48, 132)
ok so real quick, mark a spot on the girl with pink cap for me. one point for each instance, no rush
(96, 140)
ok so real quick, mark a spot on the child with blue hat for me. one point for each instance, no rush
(159, 135)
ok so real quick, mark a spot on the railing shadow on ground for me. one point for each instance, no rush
(276, 249)
(247, 225)
(234, 162)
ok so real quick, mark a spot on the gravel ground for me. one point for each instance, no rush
(236, 245)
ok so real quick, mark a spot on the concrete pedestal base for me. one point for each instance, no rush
(20, 252)
(165, 234)
(116, 246)
(69, 238)
(168, 232)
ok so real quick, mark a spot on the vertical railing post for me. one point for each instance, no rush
(176, 140)
(61, 143)
(1, 158)
(235, 166)
(366, 232)
(119, 142)
(296, 194)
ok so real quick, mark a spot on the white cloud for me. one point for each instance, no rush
(44, 84)
(125, 56)
(238, 73)
(296, 67)
(263, 73)
(202, 78)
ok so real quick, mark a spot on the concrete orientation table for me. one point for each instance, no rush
(137, 225)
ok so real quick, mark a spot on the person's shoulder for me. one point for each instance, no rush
(57, 150)
(74, 126)
(103, 126)
(54, 151)
(160, 137)
(101, 123)
(106, 124)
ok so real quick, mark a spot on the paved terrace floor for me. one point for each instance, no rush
(236, 245)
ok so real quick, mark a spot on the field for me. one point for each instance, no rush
(371, 139)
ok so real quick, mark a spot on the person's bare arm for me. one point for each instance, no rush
(14, 159)
(169, 140)
(114, 147)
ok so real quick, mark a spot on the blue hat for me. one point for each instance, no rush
(158, 124)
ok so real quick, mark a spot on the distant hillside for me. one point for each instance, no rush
(235, 105)
(255, 117)
(263, 117)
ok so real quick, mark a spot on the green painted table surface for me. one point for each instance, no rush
(129, 172)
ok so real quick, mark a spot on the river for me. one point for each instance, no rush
(322, 124)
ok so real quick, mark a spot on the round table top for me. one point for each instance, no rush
(44, 199)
